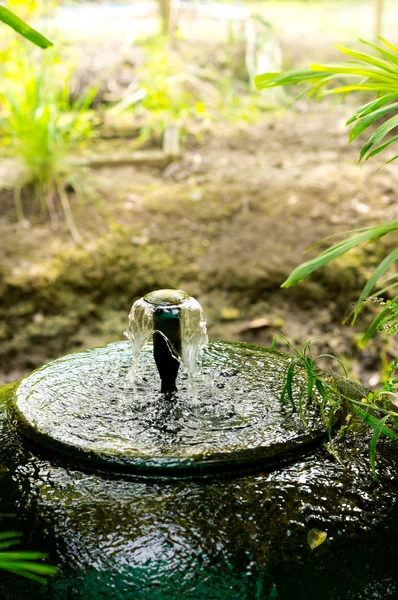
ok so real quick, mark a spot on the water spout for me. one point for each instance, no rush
(177, 325)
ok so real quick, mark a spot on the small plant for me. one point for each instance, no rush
(170, 88)
(42, 127)
(366, 73)
(165, 91)
(334, 396)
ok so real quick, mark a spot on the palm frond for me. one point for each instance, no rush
(367, 72)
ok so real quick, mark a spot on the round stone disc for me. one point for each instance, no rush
(84, 407)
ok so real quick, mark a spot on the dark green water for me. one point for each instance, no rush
(238, 537)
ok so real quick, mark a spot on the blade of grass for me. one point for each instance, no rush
(353, 69)
(372, 421)
(21, 27)
(288, 388)
(388, 55)
(325, 355)
(373, 443)
(346, 89)
(22, 555)
(382, 147)
(295, 76)
(389, 45)
(19, 569)
(310, 377)
(5, 535)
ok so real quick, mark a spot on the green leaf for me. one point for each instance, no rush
(21, 555)
(325, 355)
(310, 376)
(19, 561)
(373, 442)
(390, 57)
(378, 272)
(368, 59)
(354, 69)
(288, 388)
(366, 234)
(315, 89)
(382, 131)
(5, 535)
(372, 420)
(365, 122)
(364, 150)
(382, 146)
(371, 106)
(374, 326)
(346, 89)
(26, 570)
(19, 25)
(296, 76)
(389, 45)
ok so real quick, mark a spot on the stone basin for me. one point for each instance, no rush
(83, 407)
(215, 504)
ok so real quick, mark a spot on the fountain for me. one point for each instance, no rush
(165, 467)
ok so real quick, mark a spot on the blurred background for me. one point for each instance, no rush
(136, 154)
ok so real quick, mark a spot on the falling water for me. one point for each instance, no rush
(193, 333)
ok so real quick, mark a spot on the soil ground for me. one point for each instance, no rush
(227, 222)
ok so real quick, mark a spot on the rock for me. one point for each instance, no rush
(122, 535)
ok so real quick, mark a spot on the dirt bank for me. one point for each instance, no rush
(228, 222)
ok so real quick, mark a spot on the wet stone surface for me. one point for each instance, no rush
(243, 537)
(84, 405)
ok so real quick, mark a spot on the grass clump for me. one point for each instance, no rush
(41, 127)
(339, 394)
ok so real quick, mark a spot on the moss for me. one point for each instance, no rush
(77, 288)
(84, 298)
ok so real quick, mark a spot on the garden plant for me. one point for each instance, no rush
(376, 73)
(22, 562)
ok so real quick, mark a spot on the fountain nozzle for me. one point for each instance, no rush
(176, 323)
(167, 334)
